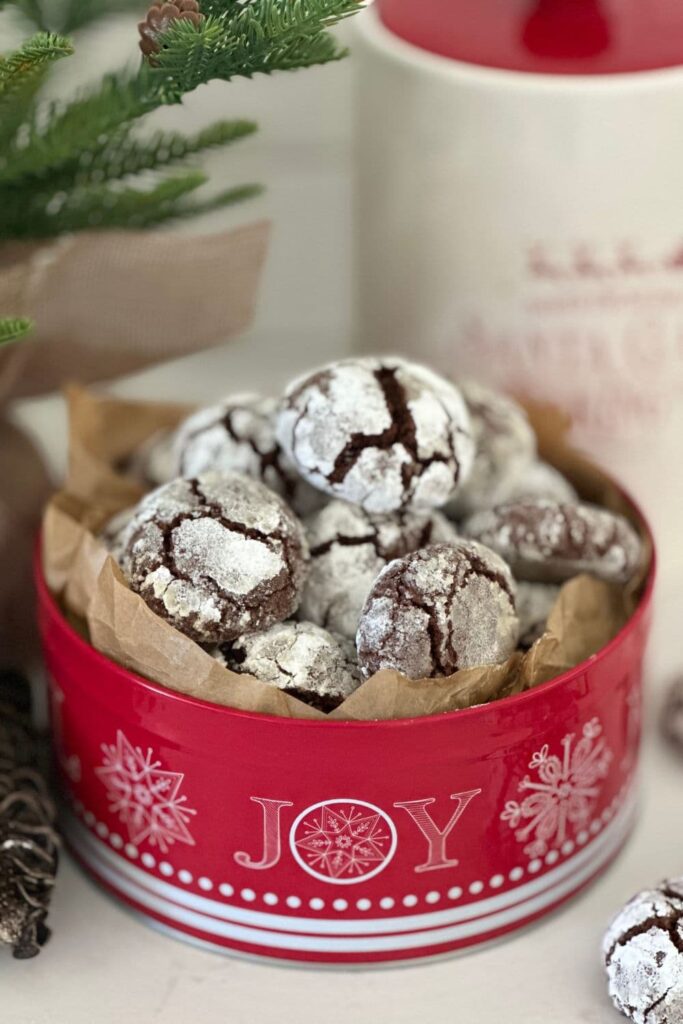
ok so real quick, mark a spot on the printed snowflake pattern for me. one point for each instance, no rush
(144, 796)
(343, 841)
(563, 796)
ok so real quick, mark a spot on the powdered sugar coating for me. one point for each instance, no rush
(113, 533)
(238, 435)
(505, 445)
(437, 610)
(537, 479)
(300, 657)
(643, 954)
(153, 462)
(553, 541)
(349, 548)
(217, 556)
(381, 433)
(672, 714)
(535, 601)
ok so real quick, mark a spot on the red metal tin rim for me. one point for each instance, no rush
(46, 598)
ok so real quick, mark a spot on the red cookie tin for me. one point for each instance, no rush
(344, 842)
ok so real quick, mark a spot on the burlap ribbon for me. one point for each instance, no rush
(110, 303)
(105, 304)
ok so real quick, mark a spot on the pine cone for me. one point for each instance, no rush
(158, 19)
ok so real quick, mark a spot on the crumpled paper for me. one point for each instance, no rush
(91, 588)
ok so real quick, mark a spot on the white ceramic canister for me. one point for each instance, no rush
(520, 210)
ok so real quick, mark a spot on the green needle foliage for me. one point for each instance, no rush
(70, 165)
(14, 328)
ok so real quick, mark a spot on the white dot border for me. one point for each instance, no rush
(532, 868)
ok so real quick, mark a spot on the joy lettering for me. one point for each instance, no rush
(347, 841)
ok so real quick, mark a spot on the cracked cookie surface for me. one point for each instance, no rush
(238, 435)
(314, 665)
(643, 956)
(537, 479)
(216, 556)
(437, 610)
(349, 548)
(381, 433)
(552, 541)
(505, 444)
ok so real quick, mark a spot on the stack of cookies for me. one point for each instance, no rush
(377, 516)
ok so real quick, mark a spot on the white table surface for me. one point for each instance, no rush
(104, 966)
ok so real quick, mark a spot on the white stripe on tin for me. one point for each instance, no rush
(337, 936)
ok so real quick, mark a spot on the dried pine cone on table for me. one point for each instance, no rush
(28, 841)
(158, 19)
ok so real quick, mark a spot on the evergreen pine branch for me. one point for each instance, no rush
(71, 127)
(17, 69)
(94, 207)
(14, 328)
(258, 37)
(229, 197)
(122, 156)
(222, 7)
(104, 206)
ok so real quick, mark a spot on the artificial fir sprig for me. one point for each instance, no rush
(17, 70)
(72, 165)
(14, 328)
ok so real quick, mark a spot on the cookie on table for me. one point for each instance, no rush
(349, 548)
(314, 665)
(672, 714)
(437, 610)
(216, 556)
(238, 435)
(535, 601)
(385, 434)
(643, 956)
(552, 541)
(505, 445)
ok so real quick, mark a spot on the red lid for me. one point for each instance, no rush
(549, 36)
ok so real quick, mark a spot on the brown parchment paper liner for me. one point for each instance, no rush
(94, 594)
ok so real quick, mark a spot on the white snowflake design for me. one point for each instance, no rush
(565, 794)
(144, 796)
(343, 841)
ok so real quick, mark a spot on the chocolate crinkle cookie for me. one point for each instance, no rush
(505, 445)
(437, 610)
(153, 462)
(381, 433)
(535, 602)
(672, 714)
(552, 541)
(643, 953)
(536, 479)
(238, 435)
(113, 533)
(216, 556)
(349, 548)
(318, 667)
